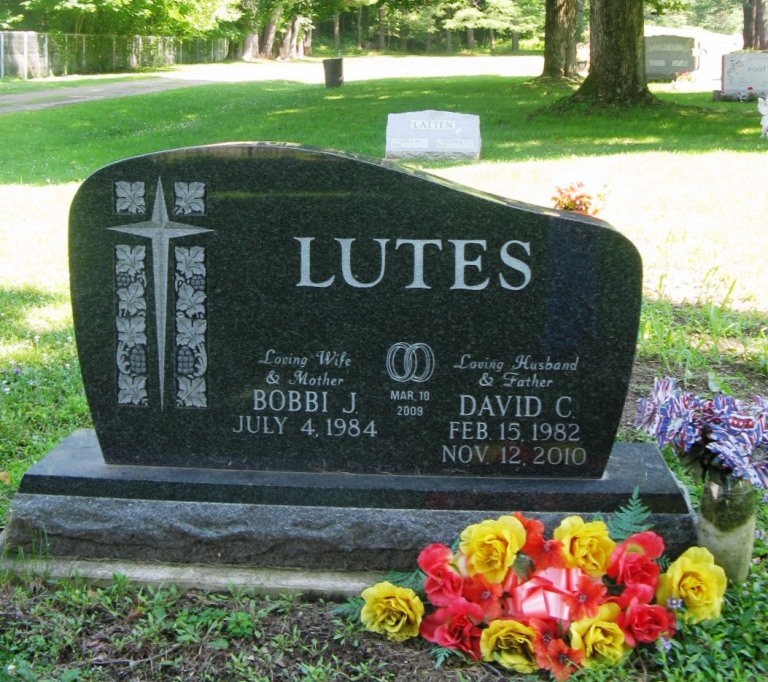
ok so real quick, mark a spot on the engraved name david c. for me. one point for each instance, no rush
(471, 261)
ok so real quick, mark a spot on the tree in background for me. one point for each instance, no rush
(499, 16)
(466, 18)
(420, 22)
(617, 54)
(755, 25)
(617, 51)
(560, 39)
(9, 18)
(493, 17)
(126, 17)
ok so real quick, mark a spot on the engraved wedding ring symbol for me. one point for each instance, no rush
(410, 362)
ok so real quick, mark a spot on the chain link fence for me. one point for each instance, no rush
(25, 54)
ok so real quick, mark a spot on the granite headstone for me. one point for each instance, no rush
(271, 308)
(667, 56)
(295, 358)
(745, 74)
(433, 134)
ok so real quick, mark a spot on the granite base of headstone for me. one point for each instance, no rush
(73, 504)
(297, 359)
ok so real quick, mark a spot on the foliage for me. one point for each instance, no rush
(719, 16)
(73, 631)
(39, 377)
(126, 17)
(629, 519)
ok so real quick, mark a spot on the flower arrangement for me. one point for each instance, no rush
(720, 433)
(508, 595)
(575, 197)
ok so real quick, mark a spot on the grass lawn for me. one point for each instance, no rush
(682, 180)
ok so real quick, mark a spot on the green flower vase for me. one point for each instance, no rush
(727, 522)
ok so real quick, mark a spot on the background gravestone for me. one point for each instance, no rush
(745, 73)
(433, 134)
(668, 56)
(289, 348)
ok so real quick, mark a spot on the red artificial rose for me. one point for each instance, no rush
(442, 584)
(636, 569)
(645, 623)
(455, 627)
(632, 561)
(638, 592)
(434, 559)
(443, 589)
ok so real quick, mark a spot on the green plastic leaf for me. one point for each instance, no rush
(413, 579)
(630, 519)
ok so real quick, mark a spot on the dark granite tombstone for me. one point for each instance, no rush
(277, 330)
(273, 308)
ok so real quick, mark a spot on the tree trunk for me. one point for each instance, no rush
(560, 39)
(448, 40)
(269, 32)
(285, 45)
(755, 32)
(382, 27)
(617, 54)
(250, 50)
(491, 39)
(289, 48)
(360, 27)
(336, 32)
(470, 39)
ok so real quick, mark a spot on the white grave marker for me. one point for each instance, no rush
(433, 134)
(745, 73)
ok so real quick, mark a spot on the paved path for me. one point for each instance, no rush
(305, 71)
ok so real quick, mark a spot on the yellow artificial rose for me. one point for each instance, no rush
(510, 644)
(392, 611)
(600, 638)
(490, 547)
(585, 545)
(698, 581)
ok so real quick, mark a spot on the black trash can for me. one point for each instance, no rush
(334, 72)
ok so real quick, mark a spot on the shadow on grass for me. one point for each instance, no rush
(518, 122)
